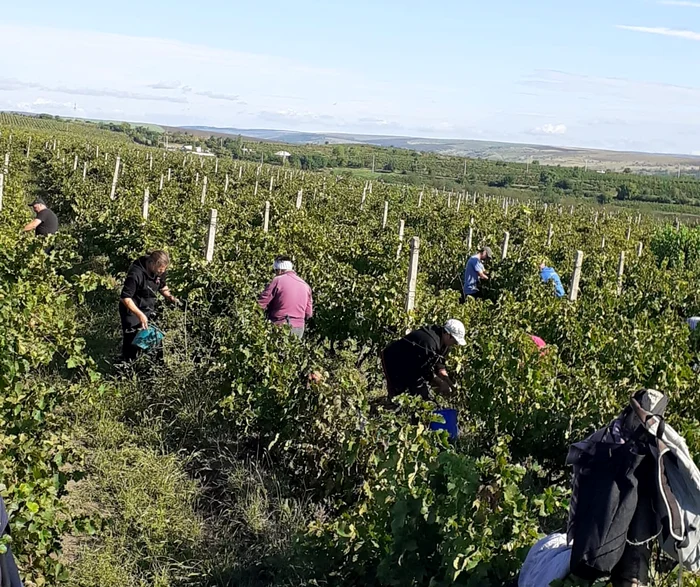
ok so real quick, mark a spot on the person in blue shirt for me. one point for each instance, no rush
(548, 274)
(473, 272)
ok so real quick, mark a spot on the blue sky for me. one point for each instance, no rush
(616, 74)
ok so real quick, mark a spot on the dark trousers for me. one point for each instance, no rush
(129, 351)
(475, 294)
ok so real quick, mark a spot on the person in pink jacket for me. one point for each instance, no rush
(287, 298)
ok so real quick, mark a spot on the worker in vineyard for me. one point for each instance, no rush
(475, 272)
(45, 223)
(416, 363)
(287, 299)
(549, 275)
(145, 279)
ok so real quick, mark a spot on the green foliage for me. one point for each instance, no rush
(225, 464)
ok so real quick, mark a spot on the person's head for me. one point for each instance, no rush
(485, 254)
(158, 262)
(38, 205)
(542, 265)
(454, 332)
(282, 264)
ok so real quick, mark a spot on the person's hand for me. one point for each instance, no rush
(143, 319)
(175, 301)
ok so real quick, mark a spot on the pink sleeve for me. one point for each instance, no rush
(309, 305)
(266, 296)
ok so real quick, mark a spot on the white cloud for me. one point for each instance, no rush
(666, 32)
(680, 3)
(219, 96)
(550, 129)
(165, 85)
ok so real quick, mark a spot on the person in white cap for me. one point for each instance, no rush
(287, 299)
(416, 362)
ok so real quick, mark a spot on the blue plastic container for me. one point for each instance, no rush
(450, 417)
(148, 338)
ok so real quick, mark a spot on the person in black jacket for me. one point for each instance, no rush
(417, 361)
(146, 277)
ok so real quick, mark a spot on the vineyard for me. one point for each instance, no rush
(224, 463)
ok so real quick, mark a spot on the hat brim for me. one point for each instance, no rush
(460, 340)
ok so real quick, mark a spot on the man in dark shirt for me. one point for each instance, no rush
(146, 277)
(417, 361)
(45, 222)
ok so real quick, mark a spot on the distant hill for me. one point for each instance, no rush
(565, 156)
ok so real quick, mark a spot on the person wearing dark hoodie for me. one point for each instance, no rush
(145, 279)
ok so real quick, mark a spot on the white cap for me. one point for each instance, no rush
(456, 329)
(283, 266)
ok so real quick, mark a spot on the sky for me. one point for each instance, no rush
(612, 74)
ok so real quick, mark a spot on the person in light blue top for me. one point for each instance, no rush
(473, 272)
(548, 274)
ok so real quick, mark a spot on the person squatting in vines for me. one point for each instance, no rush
(416, 362)
(145, 279)
(287, 299)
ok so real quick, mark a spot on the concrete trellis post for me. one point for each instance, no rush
(169, 174)
(150, 162)
(595, 219)
(640, 248)
(620, 272)
(196, 179)
(420, 199)
(29, 146)
(75, 163)
(266, 221)
(576, 277)
(146, 198)
(571, 211)
(240, 172)
(602, 243)
(2, 188)
(114, 178)
(678, 224)
(412, 274)
(504, 250)
(226, 184)
(216, 166)
(545, 207)
(97, 151)
(469, 239)
(550, 233)
(271, 183)
(160, 185)
(300, 195)
(629, 232)
(386, 213)
(211, 236)
(255, 193)
(84, 170)
(7, 163)
(401, 231)
(204, 189)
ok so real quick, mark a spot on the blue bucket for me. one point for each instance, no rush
(148, 338)
(450, 417)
